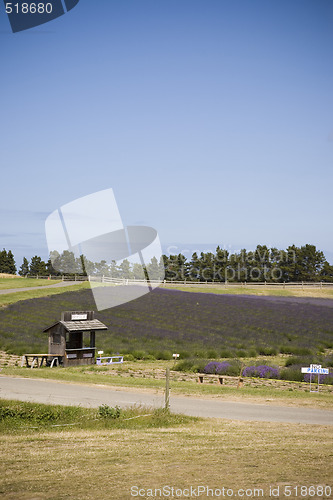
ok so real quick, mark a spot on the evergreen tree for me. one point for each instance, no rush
(11, 263)
(125, 269)
(7, 262)
(153, 269)
(24, 269)
(37, 267)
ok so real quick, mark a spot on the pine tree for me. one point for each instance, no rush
(7, 262)
(37, 267)
(11, 263)
(24, 269)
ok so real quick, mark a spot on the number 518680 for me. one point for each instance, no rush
(25, 8)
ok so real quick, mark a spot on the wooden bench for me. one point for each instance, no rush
(38, 360)
(204, 377)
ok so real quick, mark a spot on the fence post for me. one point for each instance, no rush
(167, 389)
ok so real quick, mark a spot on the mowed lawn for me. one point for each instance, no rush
(10, 283)
(106, 464)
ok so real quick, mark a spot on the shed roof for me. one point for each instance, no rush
(80, 326)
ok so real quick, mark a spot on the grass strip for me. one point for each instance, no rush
(17, 416)
(9, 283)
(12, 298)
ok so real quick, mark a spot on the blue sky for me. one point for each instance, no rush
(212, 120)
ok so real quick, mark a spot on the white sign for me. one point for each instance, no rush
(314, 369)
(79, 316)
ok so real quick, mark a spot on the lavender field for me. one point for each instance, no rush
(192, 324)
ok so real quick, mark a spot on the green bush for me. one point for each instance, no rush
(190, 365)
(226, 353)
(212, 354)
(241, 353)
(292, 373)
(267, 351)
(302, 360)
(139, 354)
(106, 411)
(129, 357)
(165, 355)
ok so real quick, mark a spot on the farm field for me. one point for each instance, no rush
(44, 462)
(192, 324)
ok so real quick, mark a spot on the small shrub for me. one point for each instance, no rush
(165, 355)
(212, 354)
(226, 353)
(241, 353)
(139, 354)
(302, 360)
(106, 411)
(190, 365)
(267, 351)
(292, 373)
(129, 357)
(150, 357)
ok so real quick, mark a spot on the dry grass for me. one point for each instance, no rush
(85, 464)
(277, 290)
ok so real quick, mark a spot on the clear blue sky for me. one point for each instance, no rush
(212, 120)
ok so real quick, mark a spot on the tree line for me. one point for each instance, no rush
(293, 264)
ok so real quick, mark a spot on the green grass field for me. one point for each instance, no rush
(12, 298)
(8, 283)
(118, 458)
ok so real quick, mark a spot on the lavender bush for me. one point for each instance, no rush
(324, 379)
(261, 371)
(217, 367)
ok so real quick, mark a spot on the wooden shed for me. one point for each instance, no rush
(73, 337)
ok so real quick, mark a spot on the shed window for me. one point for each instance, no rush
(56, 338)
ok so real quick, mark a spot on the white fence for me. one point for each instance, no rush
(213, 284)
